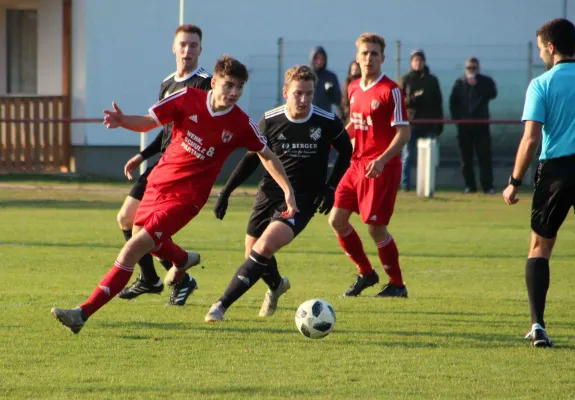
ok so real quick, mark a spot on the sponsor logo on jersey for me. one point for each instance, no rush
(281, 137)
(315, 133)
(158, 234)
(194, 118)
(375, 104)
(226, 136)
(352, 100)
(369, 121)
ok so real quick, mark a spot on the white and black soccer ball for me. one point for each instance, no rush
(315, 318)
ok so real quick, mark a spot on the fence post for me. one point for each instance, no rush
(397, 60)
(529, 61)
(279, 97)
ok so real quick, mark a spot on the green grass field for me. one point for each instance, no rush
(458, 336)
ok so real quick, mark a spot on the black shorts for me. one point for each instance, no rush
(139, 187)
(267, 208)
(554, 195)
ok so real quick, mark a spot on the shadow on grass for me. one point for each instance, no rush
(62, 204)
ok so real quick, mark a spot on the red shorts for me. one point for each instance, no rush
(372, 198)
(163, 214)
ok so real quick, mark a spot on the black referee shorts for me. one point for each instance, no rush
(267, 208)
(139, 187)
(554, 195)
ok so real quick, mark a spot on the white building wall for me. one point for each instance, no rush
(50, 48)
(125, 46)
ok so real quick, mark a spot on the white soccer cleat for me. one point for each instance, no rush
(271, 298)
(70, 318)
(216, 313)
(175, 275)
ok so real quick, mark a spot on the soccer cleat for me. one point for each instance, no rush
(140, 287)
(390, 290)
(72, 318)
(538, 336)
(362, 282)
(175, 274)
(181, 291)
(270, 304)
(216, 313)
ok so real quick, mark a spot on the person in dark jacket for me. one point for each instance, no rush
(327, 91)
(423, 100)
(353, 73)
(470, 99)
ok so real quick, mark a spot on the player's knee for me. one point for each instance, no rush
(541, 246)
(124, 219)
(338, 223)
(265, 248)
(378, 232)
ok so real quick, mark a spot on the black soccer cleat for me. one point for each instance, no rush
(362, 282)
(139, 287)
(181, 291)
(390, 290)
(539, 337)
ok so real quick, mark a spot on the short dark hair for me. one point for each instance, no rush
(189, 28)
(229, 66)
(560, 32)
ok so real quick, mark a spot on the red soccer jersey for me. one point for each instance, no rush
(202, 140)
(375, 110)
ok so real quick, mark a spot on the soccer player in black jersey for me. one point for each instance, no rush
(187, 48)
(301, 135)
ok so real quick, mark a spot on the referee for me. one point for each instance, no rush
(549, 113)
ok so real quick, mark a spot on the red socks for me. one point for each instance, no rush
(353, 248)
(113, 282)
(389, 257)
(168, 250)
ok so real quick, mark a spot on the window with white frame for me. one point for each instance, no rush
(22, 51)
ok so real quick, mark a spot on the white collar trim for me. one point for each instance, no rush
(372, 84)
(299, 121)
(186, 77)
(216, 113)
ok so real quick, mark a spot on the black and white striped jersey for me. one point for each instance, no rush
(303, 147)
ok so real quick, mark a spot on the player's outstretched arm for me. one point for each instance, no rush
(247, 165)
(115, 118)
(401, 137)
(274, 166)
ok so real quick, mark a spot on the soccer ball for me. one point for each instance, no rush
(315, 318)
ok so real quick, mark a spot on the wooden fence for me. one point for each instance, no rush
(30, 143)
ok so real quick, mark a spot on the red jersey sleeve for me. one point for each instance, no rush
(254, 140)
(170, 108)
(398, 111)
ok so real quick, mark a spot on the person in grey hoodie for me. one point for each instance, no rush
(327, 91)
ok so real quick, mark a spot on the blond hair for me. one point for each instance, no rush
(299, 73)
(374, 38)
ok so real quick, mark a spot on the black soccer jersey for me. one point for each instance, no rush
(303, 147)
(199, 79)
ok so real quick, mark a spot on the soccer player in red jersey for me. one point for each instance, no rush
(207, 128)
(379, 126)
